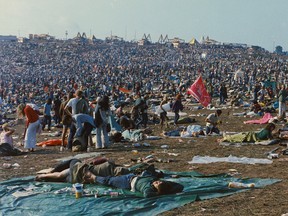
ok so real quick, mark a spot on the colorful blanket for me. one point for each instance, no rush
(264, 120)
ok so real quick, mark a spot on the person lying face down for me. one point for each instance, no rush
(73, 170)
(146, 184)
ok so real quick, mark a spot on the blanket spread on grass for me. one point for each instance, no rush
(264, 120)
(23, 196)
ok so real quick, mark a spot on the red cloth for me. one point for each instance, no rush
(31, 115)
(199, 92)
(264, 120)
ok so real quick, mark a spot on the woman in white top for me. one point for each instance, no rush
(102, 112)
(6, 134)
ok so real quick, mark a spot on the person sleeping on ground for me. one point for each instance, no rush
(146, 184)
(73, 170)
(251, 136)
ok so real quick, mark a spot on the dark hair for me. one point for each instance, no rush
(104, 102)
(70, 95)
(167, 187)
(219, 112)
(49, 101)
(269, 125)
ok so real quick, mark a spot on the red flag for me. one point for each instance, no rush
(199, 92)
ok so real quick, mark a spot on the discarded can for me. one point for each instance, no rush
(114, 194)
(273, 156)
(7, 165)
(240, 185)
(136, 144)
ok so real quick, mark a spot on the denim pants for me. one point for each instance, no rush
(71, 135)
(176, 118)
(123, 182)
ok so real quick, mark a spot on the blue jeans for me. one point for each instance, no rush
(176, 118)
(71, 135)
(123, 182)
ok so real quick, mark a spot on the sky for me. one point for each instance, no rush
(254, 22)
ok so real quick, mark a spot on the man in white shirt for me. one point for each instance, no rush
(72, 103)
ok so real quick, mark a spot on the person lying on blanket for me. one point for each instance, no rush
(72, 171)
(264, 134)
(146, 184)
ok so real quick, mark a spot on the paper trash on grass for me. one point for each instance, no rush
(230, 159)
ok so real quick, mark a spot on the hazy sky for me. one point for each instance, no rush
(254, 22)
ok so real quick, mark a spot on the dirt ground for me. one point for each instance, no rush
(271, 200)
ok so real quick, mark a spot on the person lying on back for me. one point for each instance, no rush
(147, 185)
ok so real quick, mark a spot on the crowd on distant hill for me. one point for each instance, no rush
(33, 71)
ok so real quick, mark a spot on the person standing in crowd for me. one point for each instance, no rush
(163, 113)
(31, 112)
(176, 108)
(282, 102)
(72, 103)
(222, 93)
(212, 121)
(102, 112)
(66, 119)
(56, 108)
(47, 114)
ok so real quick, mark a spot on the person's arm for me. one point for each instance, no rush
(55, 175)
(10, 131)
(66, 108)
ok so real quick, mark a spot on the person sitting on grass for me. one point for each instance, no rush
(146, 184)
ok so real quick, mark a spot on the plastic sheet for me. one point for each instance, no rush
(37, 198)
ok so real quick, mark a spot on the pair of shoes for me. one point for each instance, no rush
(31, 150)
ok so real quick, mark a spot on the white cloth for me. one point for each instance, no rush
(30, 136)
(72, 103)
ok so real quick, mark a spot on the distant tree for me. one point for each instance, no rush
(279, 49)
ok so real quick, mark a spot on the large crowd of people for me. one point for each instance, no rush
(45, 73)
(74, 83)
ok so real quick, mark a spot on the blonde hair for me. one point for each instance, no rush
(20, 110)
(5, 126)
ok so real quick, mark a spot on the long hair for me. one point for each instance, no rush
(104, 102)
(20, 110)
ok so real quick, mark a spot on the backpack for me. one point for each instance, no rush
(82, 106)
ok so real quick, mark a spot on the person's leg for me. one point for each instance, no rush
(98, 137)
(44, 122)
(122, 182)
(87, 128)
(176, 118)
(64, 132)
(105, 142)
(208, 130)
(71, 135)
(49, 122)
